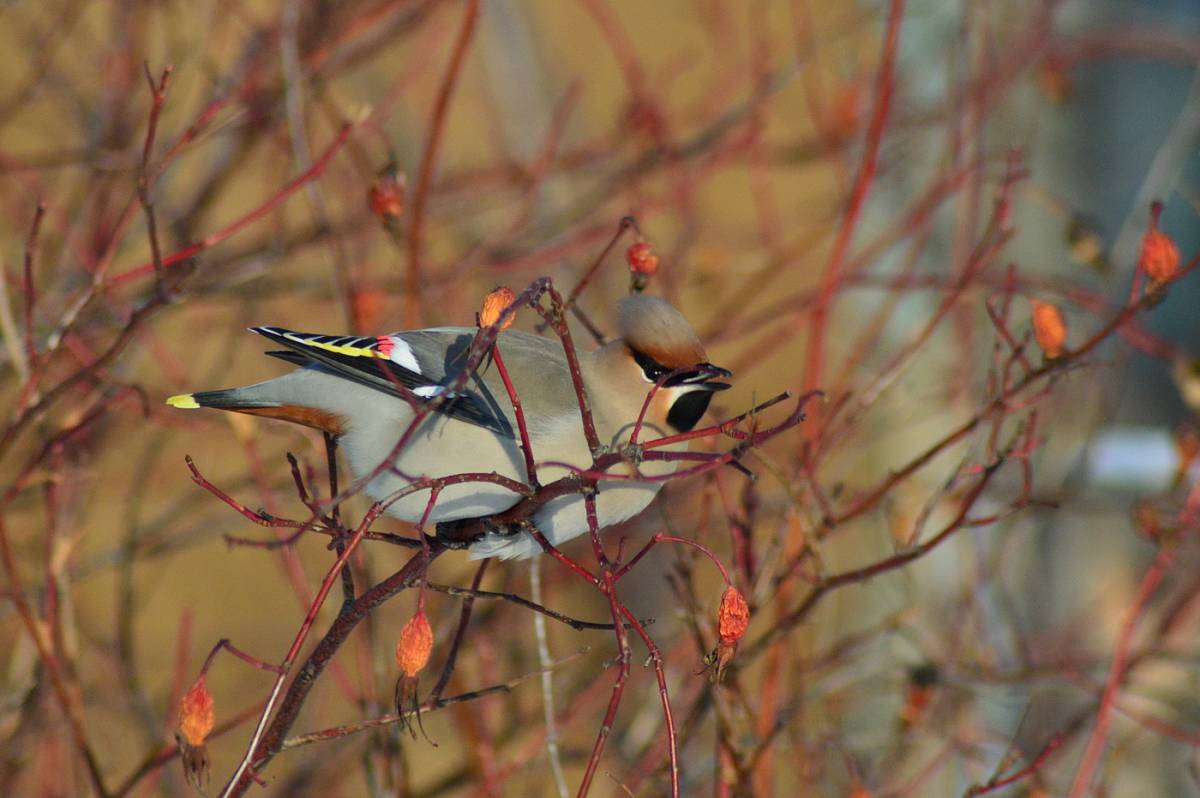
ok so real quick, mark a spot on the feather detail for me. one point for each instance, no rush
(386, 363)
(305, 416)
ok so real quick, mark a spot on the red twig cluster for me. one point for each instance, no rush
(161, 206)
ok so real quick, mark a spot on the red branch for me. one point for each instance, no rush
(885, 83)
(433, 140)
(312, 173)
(1116, 672)
(1034, 766)
(29, 289)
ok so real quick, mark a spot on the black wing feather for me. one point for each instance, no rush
(380, 373)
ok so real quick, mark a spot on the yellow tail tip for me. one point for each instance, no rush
(184, 401)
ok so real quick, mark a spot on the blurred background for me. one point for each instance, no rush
(859, 197)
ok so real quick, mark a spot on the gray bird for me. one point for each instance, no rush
(347, 386)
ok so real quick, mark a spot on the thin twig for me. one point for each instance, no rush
(297, 642)
(884, 88)
(28, 288)
(1092, 754)
(547, 681)
(245, 220)
(158, 97)
(431, 705)
(433, 140)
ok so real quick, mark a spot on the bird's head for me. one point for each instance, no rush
(661, 342)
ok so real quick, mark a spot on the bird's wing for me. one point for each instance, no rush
(421, 362)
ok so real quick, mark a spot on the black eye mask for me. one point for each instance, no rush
(652, 370)
(687, 408)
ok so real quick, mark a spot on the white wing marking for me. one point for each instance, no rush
(402, 355)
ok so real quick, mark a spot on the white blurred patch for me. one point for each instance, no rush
(1133, 458)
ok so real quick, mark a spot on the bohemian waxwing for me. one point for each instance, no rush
(344, 389)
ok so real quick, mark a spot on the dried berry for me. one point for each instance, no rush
(643, 264)
(922, 682)
(195, 724)
(416, 641)
(494, 304)
(196, 713)
(844, 112)
(386, 195)
(1054, 79)
(412, 654)
(1159, 256)
(1049, 328)
(733, 617)
(641, 259)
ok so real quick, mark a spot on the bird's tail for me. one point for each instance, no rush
(264, 399)
(228, 399)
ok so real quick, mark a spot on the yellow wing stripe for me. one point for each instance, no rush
(339, 349)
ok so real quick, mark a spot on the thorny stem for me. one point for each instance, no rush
(158, 95)
(29, 289)
(301, 635)
(857, 575)
(474, 593)
(1092, 754)
(430, 705)
(269, 741)
(558, 322)
(885, 84)
(249, 659)
(50, 661)
(664, 698)
(433, 140)
(609, 575)
(1035, 764)
(519, 412)
(625, 224)
(618, 689)
(246, 220)
(79, 375)
(463, 619)
(661, 538)
(1000, 402)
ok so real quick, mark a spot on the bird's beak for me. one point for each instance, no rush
(702, 376)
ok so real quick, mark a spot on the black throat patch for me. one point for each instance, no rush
(687, 409)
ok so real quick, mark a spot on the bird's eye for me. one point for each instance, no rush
(651, 369)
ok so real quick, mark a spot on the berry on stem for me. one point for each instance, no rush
(412, 654)
(494, 305)
(1049, 328)
(195, 724)
(1159, 256)
(733, 617)
(643, 264)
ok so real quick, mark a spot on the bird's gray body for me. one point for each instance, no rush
(445, 444)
